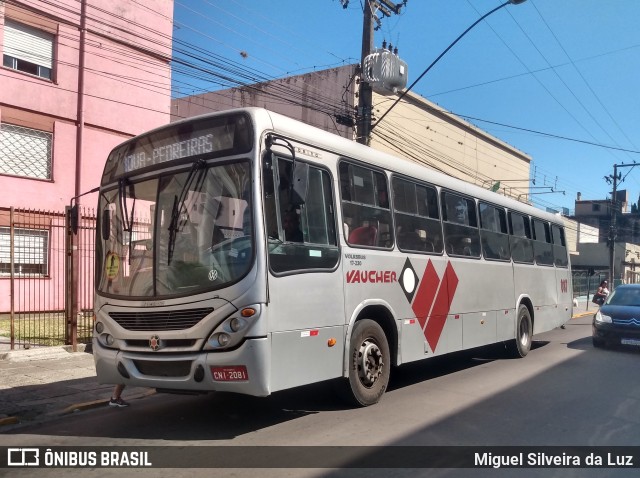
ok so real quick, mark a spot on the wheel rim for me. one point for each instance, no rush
(370, 362)
(524, 330)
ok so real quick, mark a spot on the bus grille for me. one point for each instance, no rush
(180, 368)
(158, 321)
(169, 343)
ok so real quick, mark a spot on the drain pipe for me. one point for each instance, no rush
(72, 321)
(80, 111)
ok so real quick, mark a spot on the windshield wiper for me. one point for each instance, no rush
(197, 173)
(127, 219)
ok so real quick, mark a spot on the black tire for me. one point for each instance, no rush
(369, 363)
(520, 346)
(598, 343)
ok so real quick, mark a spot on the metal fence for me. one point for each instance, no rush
(46, 278)
(585, 284)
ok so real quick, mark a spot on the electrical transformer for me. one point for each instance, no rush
(385, 71)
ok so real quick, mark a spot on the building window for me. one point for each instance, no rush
(25, 151)
(27, 49)
(30, 256)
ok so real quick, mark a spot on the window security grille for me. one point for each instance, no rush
(31, 251)
(25, 151)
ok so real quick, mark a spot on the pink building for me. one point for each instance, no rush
(77, 78)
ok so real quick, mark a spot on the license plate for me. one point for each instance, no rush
(635, 342)
(232, 373)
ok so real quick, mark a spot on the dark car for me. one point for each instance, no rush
(618, 320)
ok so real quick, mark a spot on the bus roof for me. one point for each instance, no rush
(268, 120)
(351, 149)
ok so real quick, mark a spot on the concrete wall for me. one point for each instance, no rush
(327, 92)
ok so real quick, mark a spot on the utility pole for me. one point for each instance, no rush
(365, 92)
(612, 226)
(613, 232)
(365, 97)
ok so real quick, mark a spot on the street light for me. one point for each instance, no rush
(509, 2)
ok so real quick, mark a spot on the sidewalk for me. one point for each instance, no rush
(47, 382)
(584, 307)
(43, 383)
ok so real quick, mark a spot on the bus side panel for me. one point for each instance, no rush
(310, 348)
(539, 284)
(565, 296)
(486, 291)
(374, 277)
(429, 329)
(479, 328)
(305, 312)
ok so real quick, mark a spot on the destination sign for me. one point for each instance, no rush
(169, 152)
(210, 137)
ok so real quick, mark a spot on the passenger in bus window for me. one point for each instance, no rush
(461, 213)
(291, 226)
(465, 246)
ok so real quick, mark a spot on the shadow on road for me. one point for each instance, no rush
(224, 416)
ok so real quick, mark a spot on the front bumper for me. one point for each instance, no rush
(615, 334)
(188, 371)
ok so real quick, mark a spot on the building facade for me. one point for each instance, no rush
(77, 78)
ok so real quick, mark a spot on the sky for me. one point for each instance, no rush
(557, 79)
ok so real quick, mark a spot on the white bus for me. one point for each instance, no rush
(245, 251)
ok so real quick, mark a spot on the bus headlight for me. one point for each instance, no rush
(99, 327)
(237, 324)
(223, 339)
(218, 340)
(231, 331)
(109, 340)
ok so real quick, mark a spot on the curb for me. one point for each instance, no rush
(583, 314)
(9, 421)
(80, 407)
(42, 353)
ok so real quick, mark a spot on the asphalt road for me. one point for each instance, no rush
(564, 393)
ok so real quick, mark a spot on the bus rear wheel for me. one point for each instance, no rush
(369, 363)
(520, 346)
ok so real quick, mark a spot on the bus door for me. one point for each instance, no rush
(306, 304)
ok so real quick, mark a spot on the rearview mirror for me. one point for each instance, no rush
(106, 224)
(74, 220)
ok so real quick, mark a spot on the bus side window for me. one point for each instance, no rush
(520, 238)
(416, 212)
(542, 248)
(365, 207)
(461, 235)
(559, 246)
(302, 237)
(493, 232)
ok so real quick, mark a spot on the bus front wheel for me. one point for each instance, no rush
(520, 346)
(369, 362)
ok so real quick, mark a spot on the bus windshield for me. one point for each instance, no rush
(176, 234)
